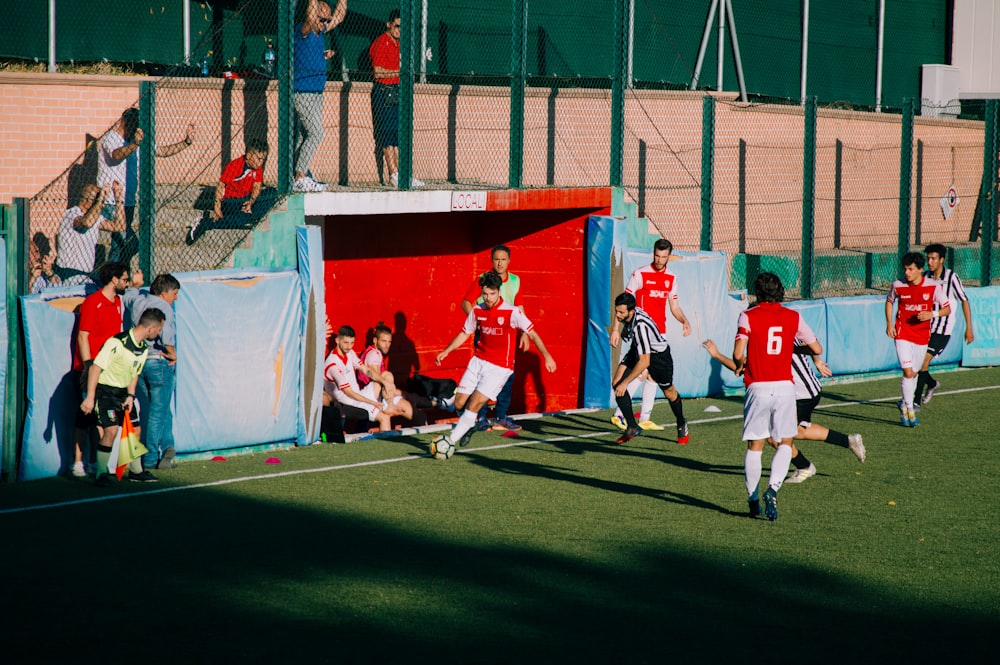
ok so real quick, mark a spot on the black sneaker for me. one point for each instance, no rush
(144, 477)
(192, 235)
(103, 480)
(464, 441)
(629, 434)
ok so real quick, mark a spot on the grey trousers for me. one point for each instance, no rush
(309, 109)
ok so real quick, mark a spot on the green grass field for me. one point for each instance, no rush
(568, 549)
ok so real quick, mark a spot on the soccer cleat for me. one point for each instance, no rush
(754, 504)
(930, 392)
(507, 424)
(682, 434)
(144, 477)
(771, 504)
(629, 434)
(800, 475)
(913, 419)
(857, 446)
(650, 425)
(103, 480)
(464, 441)
(481, 426)
(619, 422)
(904, 415)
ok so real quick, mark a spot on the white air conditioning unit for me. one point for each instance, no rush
(939, 91)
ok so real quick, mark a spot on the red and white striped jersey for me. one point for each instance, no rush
(498, 326)
(341, 370)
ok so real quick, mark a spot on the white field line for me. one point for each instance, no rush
(499, 446)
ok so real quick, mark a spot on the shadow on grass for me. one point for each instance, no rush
(212, 576)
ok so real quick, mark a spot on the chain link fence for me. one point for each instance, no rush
(708, 171)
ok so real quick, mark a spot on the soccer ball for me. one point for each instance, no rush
(442, 448)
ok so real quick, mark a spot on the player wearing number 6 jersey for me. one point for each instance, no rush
(765, 341)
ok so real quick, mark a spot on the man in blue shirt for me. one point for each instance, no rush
(310, 82)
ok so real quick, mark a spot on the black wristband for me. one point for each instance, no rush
(130, 395)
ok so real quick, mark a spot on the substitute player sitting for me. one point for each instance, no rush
(921, 300)
(375, 359)
(497, 323)
(341, 369)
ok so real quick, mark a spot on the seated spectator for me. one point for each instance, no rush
(375, 359)
(79, 232)
(241, 200)
(43, 275)
(341, 368)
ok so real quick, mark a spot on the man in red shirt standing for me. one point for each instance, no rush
(240, 197)
(100, 319)
(920, 300)
(654, 288)
(766, 337)
(493, 362)
(384, 53)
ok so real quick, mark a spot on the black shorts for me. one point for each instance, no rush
(804, 408)
(935, 347)
(108, 405)
(661, 366)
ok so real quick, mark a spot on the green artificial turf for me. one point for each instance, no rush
(568, 550)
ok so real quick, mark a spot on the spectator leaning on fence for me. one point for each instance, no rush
(310, 83)
(79, 232)
(43, 275)
(240, 197)
(384, 53)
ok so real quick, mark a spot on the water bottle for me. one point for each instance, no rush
(269, 58)
(204, 66)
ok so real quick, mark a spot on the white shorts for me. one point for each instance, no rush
(370, 391)
(769, 411)
(910, 355)
(487, 378)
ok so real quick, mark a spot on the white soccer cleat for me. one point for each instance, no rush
(857, 446)
(800, 475)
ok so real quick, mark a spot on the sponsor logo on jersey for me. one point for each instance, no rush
(491, 330)
(657, 293)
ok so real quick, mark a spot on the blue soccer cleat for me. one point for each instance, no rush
(771, 504)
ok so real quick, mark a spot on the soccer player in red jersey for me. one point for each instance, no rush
(920, 300)
(654, 289)
(497, 323)
(766, 337)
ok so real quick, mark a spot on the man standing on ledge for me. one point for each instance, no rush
(310, 82)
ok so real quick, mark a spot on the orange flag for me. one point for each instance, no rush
(129, 447)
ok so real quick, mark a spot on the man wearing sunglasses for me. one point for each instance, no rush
(310, 82)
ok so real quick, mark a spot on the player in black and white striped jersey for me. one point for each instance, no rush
(649, 351)
(941, 328)
(807, 395)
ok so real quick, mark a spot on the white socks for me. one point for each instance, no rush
(752, 469)
(779, 466)
(465, 422)
(909, 390)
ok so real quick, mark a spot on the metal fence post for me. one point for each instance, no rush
(518, 77)
(407, 40)
(987, 228)
(618, 76)
(905, 177)
(147, 178)
(286, 78)
(707, 163)
(15, 227)
(808, 199)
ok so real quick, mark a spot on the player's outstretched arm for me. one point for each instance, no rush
(550, 363)
(458, 341)
(713, 351)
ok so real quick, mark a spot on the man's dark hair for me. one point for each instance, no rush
(256, 144)
(345, 331)
(151, 316)
(626, 299)
(393, 15)
(500, 248)
(42, 243)
(131, 118)
(913, 259)
(663, 244)
(163, 284)
(109, 271)
(491, 280)
(768, 288)
(936, 248)
(381, 329)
